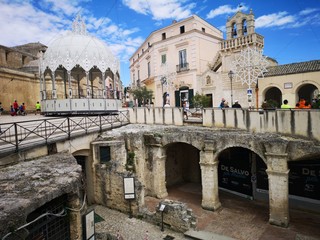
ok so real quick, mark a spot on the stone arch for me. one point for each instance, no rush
(242, 172)
(182, 164)
(307, 90)
(273, 93)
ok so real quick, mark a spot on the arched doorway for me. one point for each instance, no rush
(273, 94)
(182, 165)
(308, 92)
(242, 172)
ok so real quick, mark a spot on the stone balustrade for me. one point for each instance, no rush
(238, 42)
(299, 123)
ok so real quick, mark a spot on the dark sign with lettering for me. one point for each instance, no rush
(304, 179)
(235, 175)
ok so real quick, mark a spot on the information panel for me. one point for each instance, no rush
(128, 184)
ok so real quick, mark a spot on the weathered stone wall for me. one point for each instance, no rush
(22, 86)
(26, 186)
(157, 147)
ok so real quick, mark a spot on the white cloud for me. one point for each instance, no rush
(161, 9)
(280, 19)
(308, 11)
(25, 24)
(226, 9)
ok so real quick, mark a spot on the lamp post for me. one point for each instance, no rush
(230, 74)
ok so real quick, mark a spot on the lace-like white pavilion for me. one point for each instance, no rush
(79, 74)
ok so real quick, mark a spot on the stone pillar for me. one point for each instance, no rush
(74, 206)
(159, 171)
(278, 176)
(209, 174)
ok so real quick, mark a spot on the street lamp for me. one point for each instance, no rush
(230, 74)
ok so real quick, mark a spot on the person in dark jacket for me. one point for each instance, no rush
(236, 104)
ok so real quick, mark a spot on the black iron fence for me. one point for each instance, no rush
(18, 136)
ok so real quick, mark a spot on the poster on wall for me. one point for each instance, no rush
(304, 179)
(235, 175)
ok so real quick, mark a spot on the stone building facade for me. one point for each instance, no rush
(214, 58)
(19, 75)
(171, 59)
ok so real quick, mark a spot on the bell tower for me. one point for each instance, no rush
(240, 25)
(240, 36)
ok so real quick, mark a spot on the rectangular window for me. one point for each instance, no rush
(182, 29)
(163, 58)
(164, 36)
(183, 58)
(105, 154)
(149, 69)
(203, 30)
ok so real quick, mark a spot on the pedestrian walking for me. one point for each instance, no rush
(38, 108)
(236, 104)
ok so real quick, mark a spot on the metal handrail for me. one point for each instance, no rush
(18, 136)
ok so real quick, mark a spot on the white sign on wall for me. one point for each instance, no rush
(89, 228)
(128, 184)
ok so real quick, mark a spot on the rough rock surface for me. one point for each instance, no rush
(27, 186)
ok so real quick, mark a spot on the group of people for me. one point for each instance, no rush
(15, 109)
(225, 104)
(302, 104)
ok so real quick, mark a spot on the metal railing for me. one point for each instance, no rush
(18, 136)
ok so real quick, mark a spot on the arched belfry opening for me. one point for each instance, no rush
(244, 27)
(182, 165)
(234, 30)
(243, 172)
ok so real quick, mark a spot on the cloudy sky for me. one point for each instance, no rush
(291, 28)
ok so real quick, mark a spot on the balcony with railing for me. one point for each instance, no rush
(251, 40)
(182, 67)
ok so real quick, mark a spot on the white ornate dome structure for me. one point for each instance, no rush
(79, 74)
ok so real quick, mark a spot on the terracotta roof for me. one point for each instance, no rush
(293, 68)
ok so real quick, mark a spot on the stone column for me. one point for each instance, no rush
(74, 206)
(159, 171)
(278, 176)
(209, 174)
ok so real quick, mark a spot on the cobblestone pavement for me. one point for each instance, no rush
(119, 224)
(238, 218)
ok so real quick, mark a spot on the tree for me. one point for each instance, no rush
(201, 101)
(142, 94)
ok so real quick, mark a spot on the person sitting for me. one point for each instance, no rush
(22, 109)
(12, 111)
(236, 104)
(285, 104)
